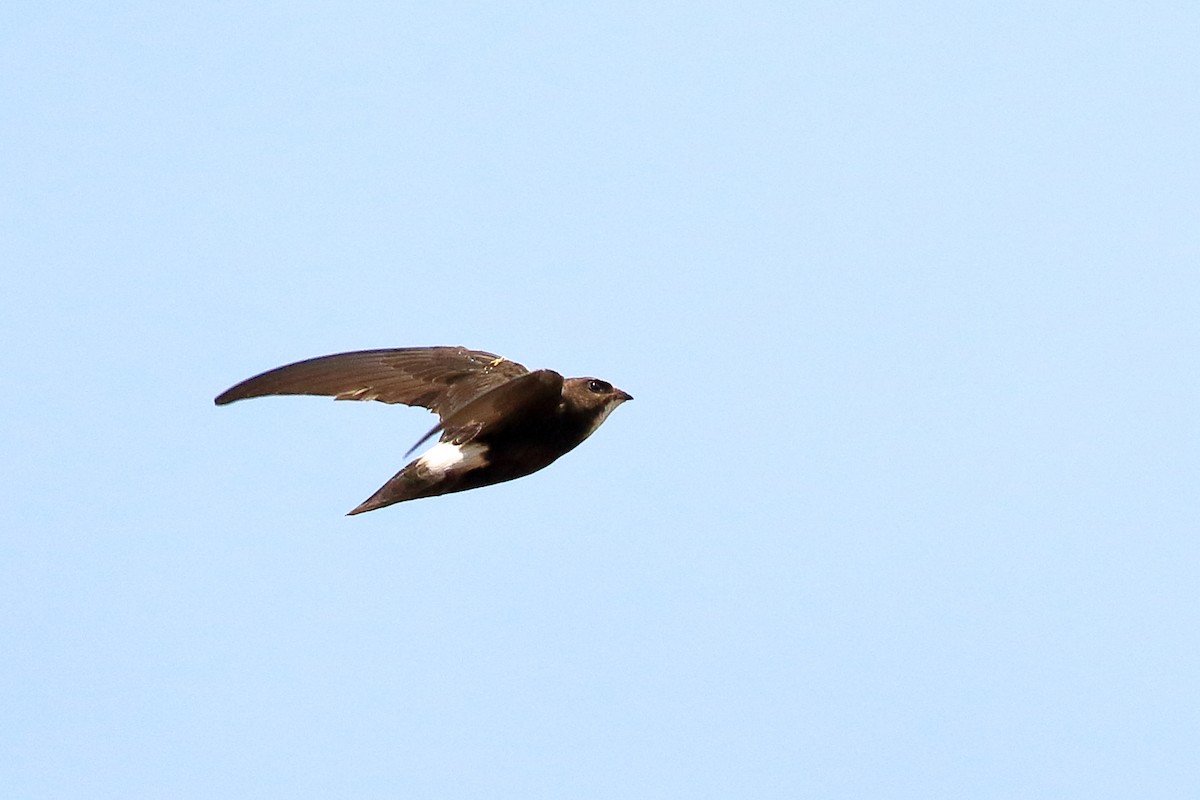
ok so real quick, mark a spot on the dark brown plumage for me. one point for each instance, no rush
(499, 421)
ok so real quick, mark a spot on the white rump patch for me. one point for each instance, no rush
(445, 456)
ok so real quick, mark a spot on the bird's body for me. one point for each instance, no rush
(498, 420)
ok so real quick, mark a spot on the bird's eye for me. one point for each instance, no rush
(599, 387)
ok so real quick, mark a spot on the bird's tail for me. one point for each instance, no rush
(407, 484)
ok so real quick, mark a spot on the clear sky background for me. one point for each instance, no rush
(908, 296)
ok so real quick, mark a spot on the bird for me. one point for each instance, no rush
(497, 420)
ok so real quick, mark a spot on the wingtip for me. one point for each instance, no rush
(225, 398)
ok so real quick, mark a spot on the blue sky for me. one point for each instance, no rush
(906, 504)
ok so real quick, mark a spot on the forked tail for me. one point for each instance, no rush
(407, 484)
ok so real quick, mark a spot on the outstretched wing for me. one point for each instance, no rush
(442, 379)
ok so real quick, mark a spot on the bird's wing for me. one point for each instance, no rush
(442, 379)
(532, 396)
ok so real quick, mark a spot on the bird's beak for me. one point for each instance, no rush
(624, 395)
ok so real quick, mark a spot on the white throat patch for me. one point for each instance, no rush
(603, 415)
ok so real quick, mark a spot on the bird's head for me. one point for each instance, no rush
(594, 397)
